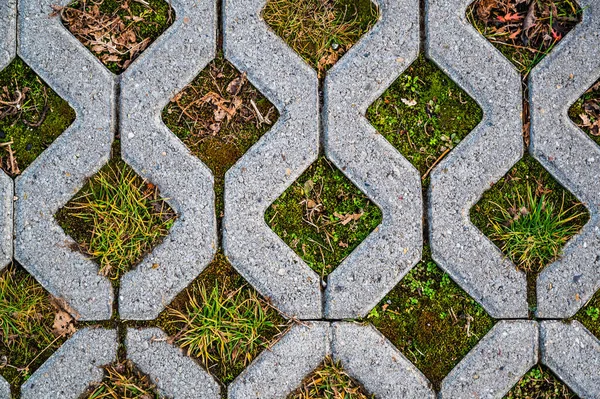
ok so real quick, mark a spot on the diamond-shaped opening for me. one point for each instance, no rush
(116, 31)
(122, 380)
(322, 216)
(540, 383)
(219, 116)
(530, 217)
(589, 315)
(320, 31)
(33, 325)
(221, 321)
(32, 116)
(116, 218)
(524, 31)
(329, 380)
(424, 114)
(431, 320)
(586, 112)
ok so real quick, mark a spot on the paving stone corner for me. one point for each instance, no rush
(572, 157)
(478, 161)
(41, 246)
(270, 166)
(8, 32)
(175, 374)
(372, 163)
(4, 389)
(157, 155)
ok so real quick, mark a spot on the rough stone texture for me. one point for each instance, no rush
(391, 182)
(276, 372)
(4, 389)
(573, 354)
(496, 363)
(572, 158)
(41, 246)
(272, 164)
(8, 32)
(175, 375)
(156, 154)
(6, 219)
(481, 159)
(74, 366)
(372, 360)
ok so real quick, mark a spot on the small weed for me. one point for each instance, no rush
(586, 112)
(117, 218)
(123, 381)
(540, 383)
(321, 31)
(323, 216)
(330, 381)
(589, 315)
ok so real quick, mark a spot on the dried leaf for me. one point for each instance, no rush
(235, 86)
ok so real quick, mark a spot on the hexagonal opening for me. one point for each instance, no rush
(424, 114)
(540, 382)
(219, 116)
(589, 315)
(524, 31)
(322, 216)
(33, 325)
(116, 31)
(321, 31)
(431, 320)
(221, 321)
(122, 380)
(116, 218)
(32, 116)
(585, 113)
(329, 380)
(530, 217)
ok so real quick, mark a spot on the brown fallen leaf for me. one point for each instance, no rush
(235, 86)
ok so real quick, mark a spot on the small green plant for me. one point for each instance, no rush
(533, 231)
(123, 381)
(330, 381)
(117, 218)
(540, 383)
(589, 315)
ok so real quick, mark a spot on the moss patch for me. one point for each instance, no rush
(540, 383)
(116, 218)
(27, 334)
(424, 114)
(116, 31)
(122, 380)
(321, 31)
(32, 116)
(589, 315)
(431, 319)
(323, 216)
(219, 116)
(586, 112)
(524, 31)
(502, 205)
(221, 321)
(330, 381)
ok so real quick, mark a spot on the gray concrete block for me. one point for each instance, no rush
(278, 371)
(41, 246)
(6, 219)
(74, 366)
(176, 376)
(157, 155)
(8, 32)
(4, 389)
(481, 159)
(372, 360)
(372, 163)
(496, 363)
(573, 354)
(572, 158)
(272, 164)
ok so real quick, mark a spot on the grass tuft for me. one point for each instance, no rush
(123, 381)
(330, 381)
(540, 383)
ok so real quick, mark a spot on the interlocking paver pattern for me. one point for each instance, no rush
(131, 106)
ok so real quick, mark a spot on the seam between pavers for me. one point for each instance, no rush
(479, 160)
(372, 163)
(572, 158)
(41, 246)
(269, 167)
(156, 154)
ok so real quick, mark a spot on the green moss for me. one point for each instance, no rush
(424, 114)
(431, 319)
(504, 196)
(26, 326)
(39, 103)
(589, 315)
(588, 107)
(193, 117)
(323, 216)
(540, 383)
